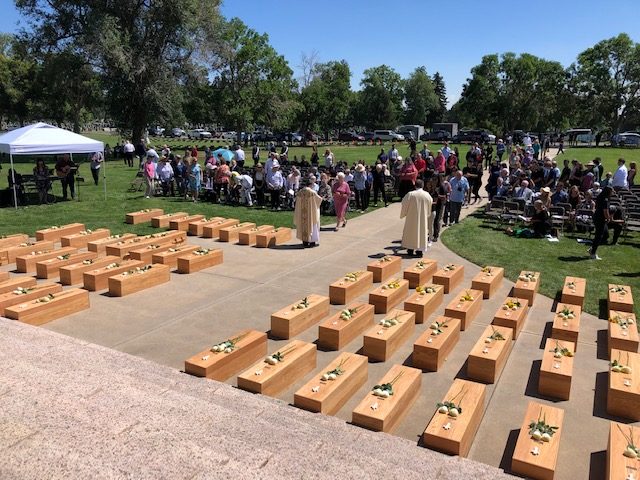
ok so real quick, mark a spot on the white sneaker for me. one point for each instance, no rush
(429, 244)
(147, 196)
(595, 257)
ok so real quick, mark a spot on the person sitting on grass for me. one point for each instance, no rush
(539, 223)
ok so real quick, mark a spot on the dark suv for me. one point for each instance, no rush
(471, 136)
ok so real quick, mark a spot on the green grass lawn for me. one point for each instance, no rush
(608, 155)
(483, 245)
(95, 212)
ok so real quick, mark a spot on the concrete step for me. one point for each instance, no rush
(76, 410)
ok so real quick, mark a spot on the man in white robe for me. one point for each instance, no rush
(306, 215)
(416, 210)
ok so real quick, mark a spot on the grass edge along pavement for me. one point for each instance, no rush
(484, 245)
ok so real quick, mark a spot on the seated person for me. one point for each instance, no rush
(524, 192)
(540, 221)
(560, 195)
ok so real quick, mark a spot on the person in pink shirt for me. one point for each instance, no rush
(149, 172)
(439, 162)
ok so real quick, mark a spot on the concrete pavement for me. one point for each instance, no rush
(176, 320)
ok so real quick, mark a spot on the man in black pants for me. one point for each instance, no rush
(378, 184)
(601, 217)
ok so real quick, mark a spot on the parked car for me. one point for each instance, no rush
(178, 132)
(295, 137)
(436, 135)
(198, 133)
(350, 137)
(472, 136)
(387, 135)
(368, 136)
(626, 139)
(228, 135)
(156, 131)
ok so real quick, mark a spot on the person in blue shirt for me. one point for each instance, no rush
(459, 189)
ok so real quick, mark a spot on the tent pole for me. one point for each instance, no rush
(104, 175)
(13, 179)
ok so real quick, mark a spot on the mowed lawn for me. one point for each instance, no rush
(482, 244)
(94, 211)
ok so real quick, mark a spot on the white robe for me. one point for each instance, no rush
(416, 208)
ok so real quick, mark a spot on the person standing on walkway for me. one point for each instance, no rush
(306, 215)
(459, 189)
(416, 210)
(378, 184)
(600, 219)
(407, 176)
(341, 194)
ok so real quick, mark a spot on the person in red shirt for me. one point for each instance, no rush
(194, 151)
(408, 175)
(439, 162)
(420, 165)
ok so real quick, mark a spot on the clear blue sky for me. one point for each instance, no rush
(446, 36)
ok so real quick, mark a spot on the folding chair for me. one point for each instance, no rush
(137, 184)
(584, 218)
(557, 218)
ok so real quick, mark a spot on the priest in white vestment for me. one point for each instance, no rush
(306, 215)
(416, 210)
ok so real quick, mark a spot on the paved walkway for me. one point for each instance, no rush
(76, 408)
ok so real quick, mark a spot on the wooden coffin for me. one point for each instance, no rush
(250, 346)
(291, 320)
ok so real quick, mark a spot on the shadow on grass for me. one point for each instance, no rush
(627, 274)
(598, 465)
(602, 347)
(573, 258)
(510, 447)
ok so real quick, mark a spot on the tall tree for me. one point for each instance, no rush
(437, 115)
(419, 96)
(513, 92)
(254, 84)
(138, 47)
(19, 92)
(607, 81)
(380, 100)
(327, 101)
(69, 97)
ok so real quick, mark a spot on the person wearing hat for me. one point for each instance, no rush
(588, 177)
(306, 215)
(259, 183)
(545, 197)
(360, 184)
(165, 175)
(416, 210)
(275, 182)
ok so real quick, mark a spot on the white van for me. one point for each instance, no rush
(386, 135)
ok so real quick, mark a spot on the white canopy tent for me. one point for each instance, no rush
(44, 139)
